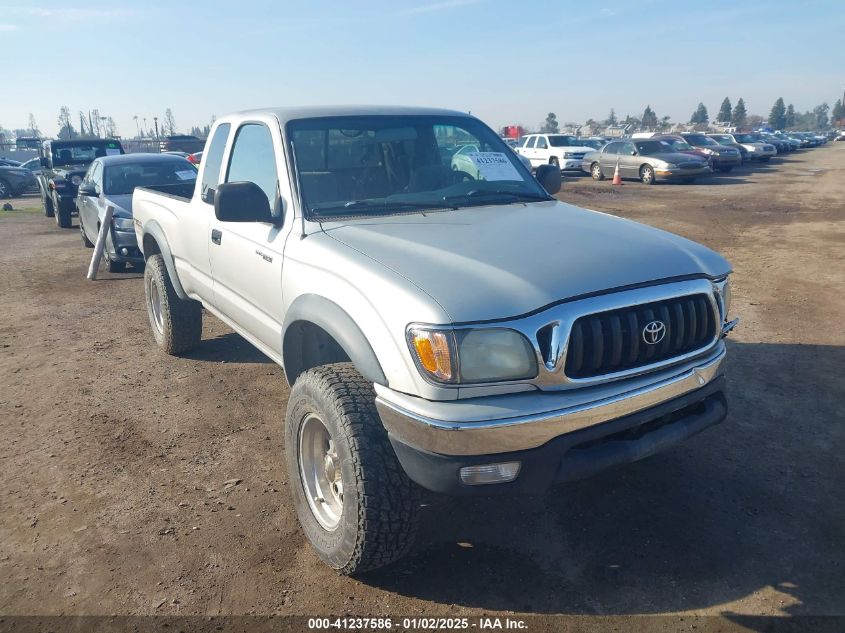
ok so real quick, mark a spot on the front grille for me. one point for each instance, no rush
(613, 341)
(689, 165)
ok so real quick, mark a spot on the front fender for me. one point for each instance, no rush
(153, 232)
(339, 325)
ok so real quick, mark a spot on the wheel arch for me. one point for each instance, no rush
(154, 242)
(317, 332)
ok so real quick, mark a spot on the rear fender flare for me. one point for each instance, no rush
(153, 230)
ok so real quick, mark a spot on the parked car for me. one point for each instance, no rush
(679, 144)
(841, 137)
(33, 165)
(595, 143)
(467, 336)
(110, 182)
(728, 141)
(195, 158)
(464, 159)
(561, 150)
(176, 153)
(8, 162)
(647, 160)
(756, 148)
(186, 143)
(14, 181)
(63, 165)
(722, 157)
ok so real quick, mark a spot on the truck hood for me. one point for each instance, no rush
(496, 262)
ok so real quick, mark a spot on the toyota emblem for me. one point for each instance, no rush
(653, 332)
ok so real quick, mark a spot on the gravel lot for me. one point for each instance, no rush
(114, 458)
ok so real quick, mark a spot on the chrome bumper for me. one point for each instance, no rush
(425, 428)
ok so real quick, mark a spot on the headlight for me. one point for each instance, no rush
(123, 224)
(670, 166)
(76, 180)
(723, 295)
(568, 155)
(472, 356)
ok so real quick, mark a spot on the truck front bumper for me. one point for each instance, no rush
(561, 444)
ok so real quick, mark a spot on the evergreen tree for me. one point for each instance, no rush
(777, 117)
(789, 118)
(820, 112)
(649, 118)
(724, 115)
(838, 113)
(739, 115)
(611, 118)
(700, 116)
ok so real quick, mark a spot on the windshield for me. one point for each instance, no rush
(700, 139)
(722, 139)
(592, 142)
(746, 138)
(122, 179)
(388, 164)
(84, 152)
(650, 148)
(678, 145)
(564, 141)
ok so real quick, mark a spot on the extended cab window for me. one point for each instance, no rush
(253, 160)
(213, 159)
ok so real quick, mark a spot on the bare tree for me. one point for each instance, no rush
(168, 124)
(33, 126)
(66, 130)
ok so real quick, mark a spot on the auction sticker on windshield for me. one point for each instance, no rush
(494, 166)
(112, 152)
(188, 174)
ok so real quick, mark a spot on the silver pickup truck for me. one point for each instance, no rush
(444, 325)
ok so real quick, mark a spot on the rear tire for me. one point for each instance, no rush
(47, 204)
(596, 172)
(176, 323)
(5, 189)
(85, 240)
(647, 174)
(333, 435)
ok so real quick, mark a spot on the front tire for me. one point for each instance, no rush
(647, 174)
(596, 172)
(5, 189)
(354, 501)
(63, 215)
(88, 243)
(47, 204)
(176, 323)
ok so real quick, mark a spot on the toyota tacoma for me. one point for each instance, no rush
(441, 328)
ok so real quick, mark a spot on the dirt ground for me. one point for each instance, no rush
(114, 457)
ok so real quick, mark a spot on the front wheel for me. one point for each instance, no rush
(176, 323)
(88, 243)
(63, 215)
(5, 189)
(596, 172)
(356, 505)
(647, 174)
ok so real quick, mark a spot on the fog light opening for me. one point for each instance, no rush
(124, 251)
(490, 473)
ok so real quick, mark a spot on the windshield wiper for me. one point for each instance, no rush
(516, 195)
(377, 206)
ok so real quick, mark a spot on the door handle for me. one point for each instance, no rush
(216, 236)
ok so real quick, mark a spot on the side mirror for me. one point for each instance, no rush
(241, 202)
(43, 161)
(633, 152)
(549, 178)
(88, 189)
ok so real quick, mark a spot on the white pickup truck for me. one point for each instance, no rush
(445, 325)
(561, 150)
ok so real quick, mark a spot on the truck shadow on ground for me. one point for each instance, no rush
(751, 506)
(229, 348)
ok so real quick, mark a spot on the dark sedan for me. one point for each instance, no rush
(14, 181)
(110, 181)
(724, 158)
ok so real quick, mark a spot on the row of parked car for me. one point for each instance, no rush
(651, 157)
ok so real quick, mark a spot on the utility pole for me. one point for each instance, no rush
(155, 118)
(145, 127)
(137, 128)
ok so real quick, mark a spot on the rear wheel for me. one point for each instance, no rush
(354, 501)
(647, 174)
(596, 172)
(85, 240)
(5, 189)
(47, 205)
(176, 323)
